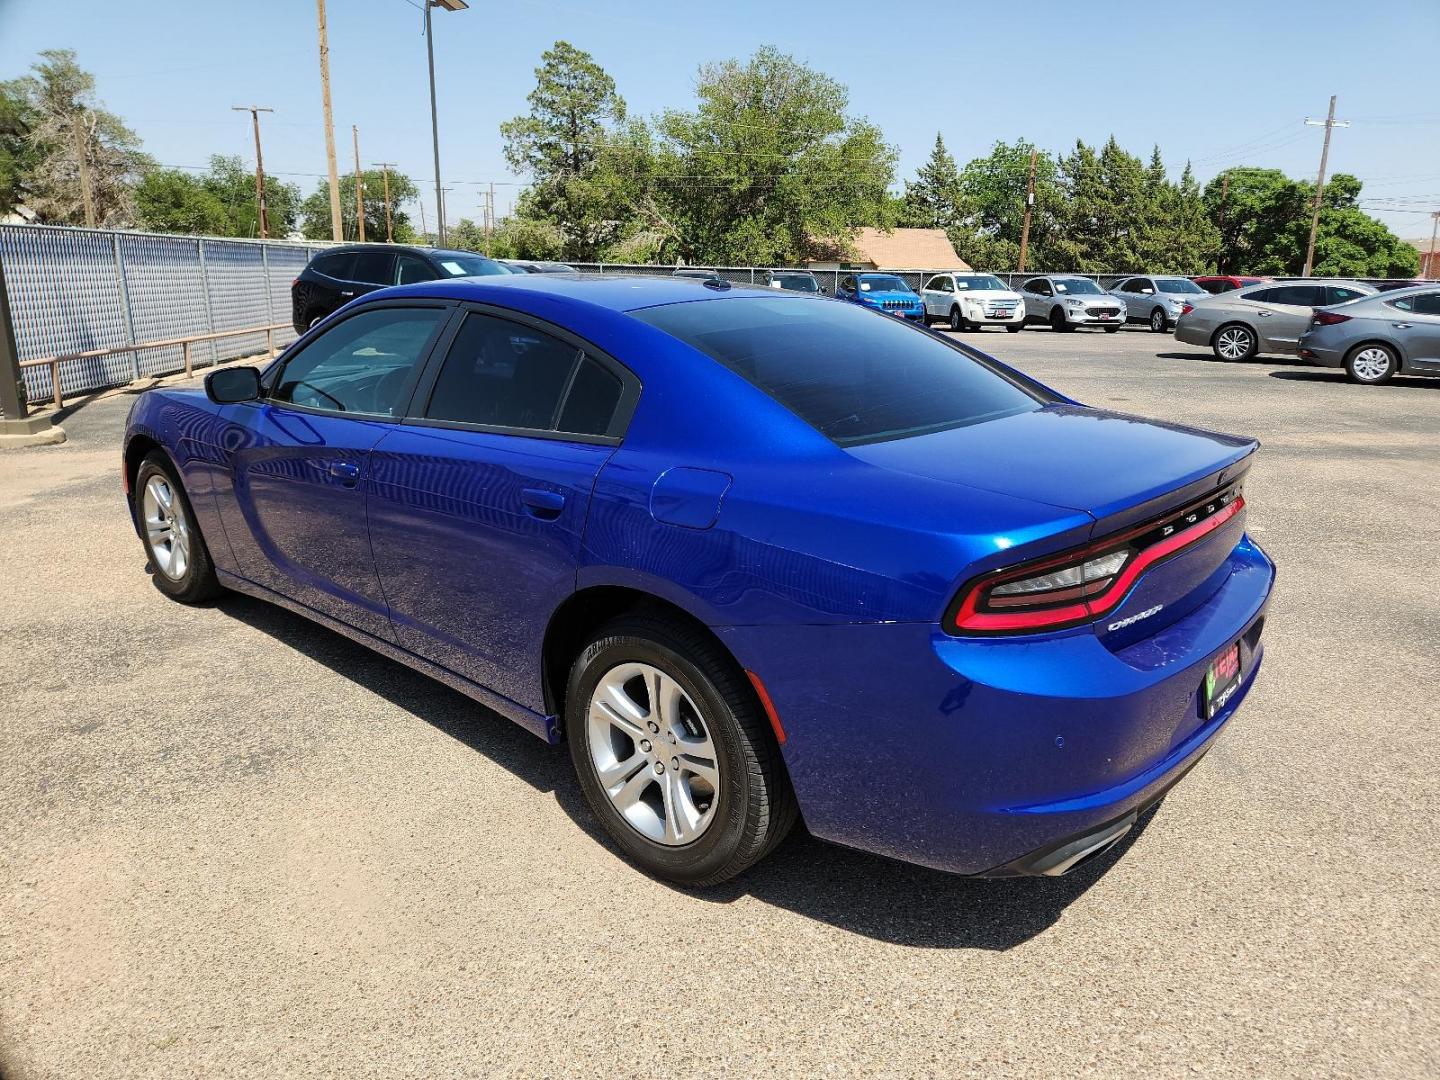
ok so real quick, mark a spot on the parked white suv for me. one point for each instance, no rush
(973, 300)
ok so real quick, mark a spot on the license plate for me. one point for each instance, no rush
(1222, 680)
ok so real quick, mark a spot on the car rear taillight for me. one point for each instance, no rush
(1084, 583)
(1328, 318)
(1185, 309)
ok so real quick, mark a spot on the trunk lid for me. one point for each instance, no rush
(1124, 471)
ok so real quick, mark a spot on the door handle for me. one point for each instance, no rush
(543, 503)
(1264, 314)
(347, 472)
(344, 292)
(1402, 325)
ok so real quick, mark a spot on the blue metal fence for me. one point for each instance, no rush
(72, 290)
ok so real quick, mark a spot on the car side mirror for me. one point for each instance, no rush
(824, 291)
(231, 385)
(1147, 292)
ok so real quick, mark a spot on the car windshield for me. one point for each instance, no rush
(853, 376)
(1078, 286)
(796, 282)
(883, 283)
(979, 281)
(459, 265)
(1178, 285)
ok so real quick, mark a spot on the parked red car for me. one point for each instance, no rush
(1218, 283)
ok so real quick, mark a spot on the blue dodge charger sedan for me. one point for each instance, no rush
(754, 556)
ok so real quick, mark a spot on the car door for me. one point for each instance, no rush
(298, 459)
(325, 285)
(1039, 296)
(1415, 323)
(478, 503)
(938, 294)
(1282, 314)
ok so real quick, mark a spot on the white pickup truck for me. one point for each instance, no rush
(973, 300)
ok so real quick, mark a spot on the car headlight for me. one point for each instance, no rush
(1075, 303)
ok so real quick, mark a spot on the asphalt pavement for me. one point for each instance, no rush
(235, 844)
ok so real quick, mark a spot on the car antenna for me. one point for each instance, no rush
(716, 283)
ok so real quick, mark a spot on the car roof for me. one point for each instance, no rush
(615, 292)
(404, 249)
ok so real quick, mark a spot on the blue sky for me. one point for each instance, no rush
(1221, 84)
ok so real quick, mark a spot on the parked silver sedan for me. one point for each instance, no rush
(1067, 302)
(1378, 337)
(1266, 318)
(1156, 299)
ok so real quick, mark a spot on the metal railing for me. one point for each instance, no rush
(53, 362)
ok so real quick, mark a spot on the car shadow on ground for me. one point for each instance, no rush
(1255, 361)
(1338, 376)
(864, 894)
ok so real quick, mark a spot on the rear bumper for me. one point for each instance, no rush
(1322, 356)
(998, 756)
(1191, 334)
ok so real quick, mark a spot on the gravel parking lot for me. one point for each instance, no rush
(233, 843)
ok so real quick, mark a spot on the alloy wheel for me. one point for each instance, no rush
(653, 754)
(1234, 343)
(166, 530)
(1157, 321)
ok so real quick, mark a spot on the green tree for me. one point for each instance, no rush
(1266, 226)
(18, 155)
(933, 199)
(67, 126)
(218, 202)
(767, 165)
(564, 144)
(992, 209)
(314, 212)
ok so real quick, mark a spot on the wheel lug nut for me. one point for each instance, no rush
(659, 767)
(654, 728)
(645, 745)
(674, 763)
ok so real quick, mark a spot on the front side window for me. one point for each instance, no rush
(409, 269)
(851, 376)
(362, 366)
(938, 284)
(503, 374)
(848, 284)
(1134, 285)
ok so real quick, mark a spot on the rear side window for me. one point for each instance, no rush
(1293, 295)
(373, 267)
(1338, 294)
(335, 266)
(503, 374)
(1422, 304)
(854, 375)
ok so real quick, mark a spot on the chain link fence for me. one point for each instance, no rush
(73, 290)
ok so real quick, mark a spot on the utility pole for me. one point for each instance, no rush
(260, 209)
(1224, 198)
(489, 217)
(359, 186)
(337, 227)
(1329, 123)
(82, 159)
(1029, 204)
(385, 167)
(448, 5)
(440, 212)
(424, 229)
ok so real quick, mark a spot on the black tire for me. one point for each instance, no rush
(1159, 321)
(957, 321)
(1360, 364)
(1015, 328)
(1234, 341)
(197, 583)
(754, 804)
(1058, 322)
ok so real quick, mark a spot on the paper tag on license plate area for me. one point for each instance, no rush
(1222, 680)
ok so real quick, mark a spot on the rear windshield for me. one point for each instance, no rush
(854, 375)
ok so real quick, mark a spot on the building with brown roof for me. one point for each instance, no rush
(1429, 257)
(899, 249)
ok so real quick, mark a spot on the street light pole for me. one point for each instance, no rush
(448, 5)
